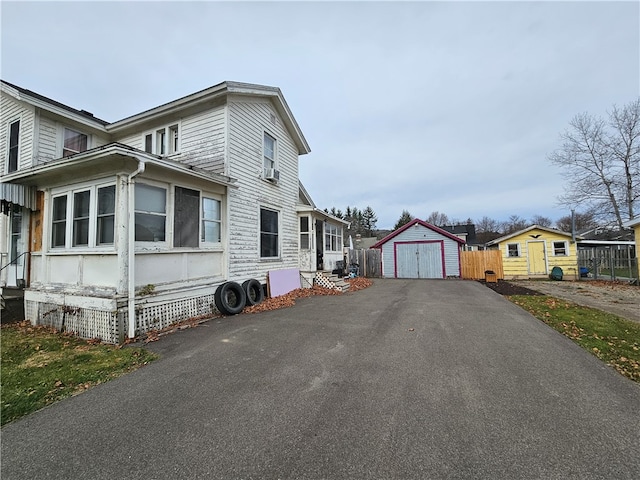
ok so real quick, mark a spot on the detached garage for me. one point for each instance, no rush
(420, 250)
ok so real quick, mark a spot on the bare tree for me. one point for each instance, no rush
(584, 221)
(487, 229)
(438, 219)
(541, 220)
(601, 162)
(514, 224)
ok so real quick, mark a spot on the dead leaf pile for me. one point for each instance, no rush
(289, 299)
(358, 283)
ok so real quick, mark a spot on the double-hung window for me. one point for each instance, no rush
(14, 140)
(195, 219)
(560, 249)
(513, 250)
(304, 233)
(211, 220)
(83, 217)
(268, 233)
(150, 213)
(163, 141)
(74, 142)
(269, 153)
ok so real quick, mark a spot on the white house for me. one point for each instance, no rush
(117, 228)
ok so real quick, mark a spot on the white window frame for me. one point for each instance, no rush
(565, 247)
(273, 161)
(518, 252)
(332, 237)
(69, 219)
(219, 221)
(17, 120)
(64, 129)
(278, 233)
(168, 214)
(165, 140)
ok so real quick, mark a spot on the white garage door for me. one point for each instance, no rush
(419, 260)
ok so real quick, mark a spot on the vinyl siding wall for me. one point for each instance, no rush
(13, 110)
(518, 267)
(248, 120)
(420, 233)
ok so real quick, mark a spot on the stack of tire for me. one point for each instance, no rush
(231, 297)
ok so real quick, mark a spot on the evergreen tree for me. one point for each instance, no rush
(405, 218)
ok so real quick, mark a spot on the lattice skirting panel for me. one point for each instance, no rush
(323, 281)
(83, 322)
(112, 326)
(158, 316)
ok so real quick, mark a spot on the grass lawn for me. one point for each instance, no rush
(612, 339)
(40, 366)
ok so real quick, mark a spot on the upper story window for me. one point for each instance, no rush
(513, 250)
(560, 248)
(74, 142)
(14, 140)
(83, 217)
(269, 153)
(163, 141)
(332, 237)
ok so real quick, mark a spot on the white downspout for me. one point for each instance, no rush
(131, 238)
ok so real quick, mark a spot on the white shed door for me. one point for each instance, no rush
(419, 260)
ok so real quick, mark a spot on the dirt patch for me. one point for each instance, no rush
(507, 288)
(618, 298)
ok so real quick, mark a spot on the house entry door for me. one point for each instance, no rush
(537, 259)
(15, 270)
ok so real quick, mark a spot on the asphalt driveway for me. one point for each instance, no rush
(406, 379)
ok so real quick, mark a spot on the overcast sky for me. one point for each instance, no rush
(424, 106)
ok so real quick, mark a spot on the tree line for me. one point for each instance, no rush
(600, 158)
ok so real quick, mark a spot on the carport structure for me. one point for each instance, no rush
(420, 250)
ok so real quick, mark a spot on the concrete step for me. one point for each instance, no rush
(329, 280)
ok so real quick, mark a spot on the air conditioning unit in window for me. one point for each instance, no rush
(272, 174)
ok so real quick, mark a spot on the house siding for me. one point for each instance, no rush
(202, 143)
(519, 267)
(247, 122)
(419, 233)
(13, 110)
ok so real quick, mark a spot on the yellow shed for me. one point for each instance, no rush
(534, 251)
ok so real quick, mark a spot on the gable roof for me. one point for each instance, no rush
(48, 104)
(203, 96)
(220, 91)
(416, 221)
(528, 229)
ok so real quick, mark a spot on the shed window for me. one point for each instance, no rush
(268, 233)
(560, 248)
(513, 250)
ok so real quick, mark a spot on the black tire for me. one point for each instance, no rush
(230, 298)
(254, 291)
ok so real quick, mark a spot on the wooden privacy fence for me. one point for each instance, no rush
(474, 264)
(368, 262)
